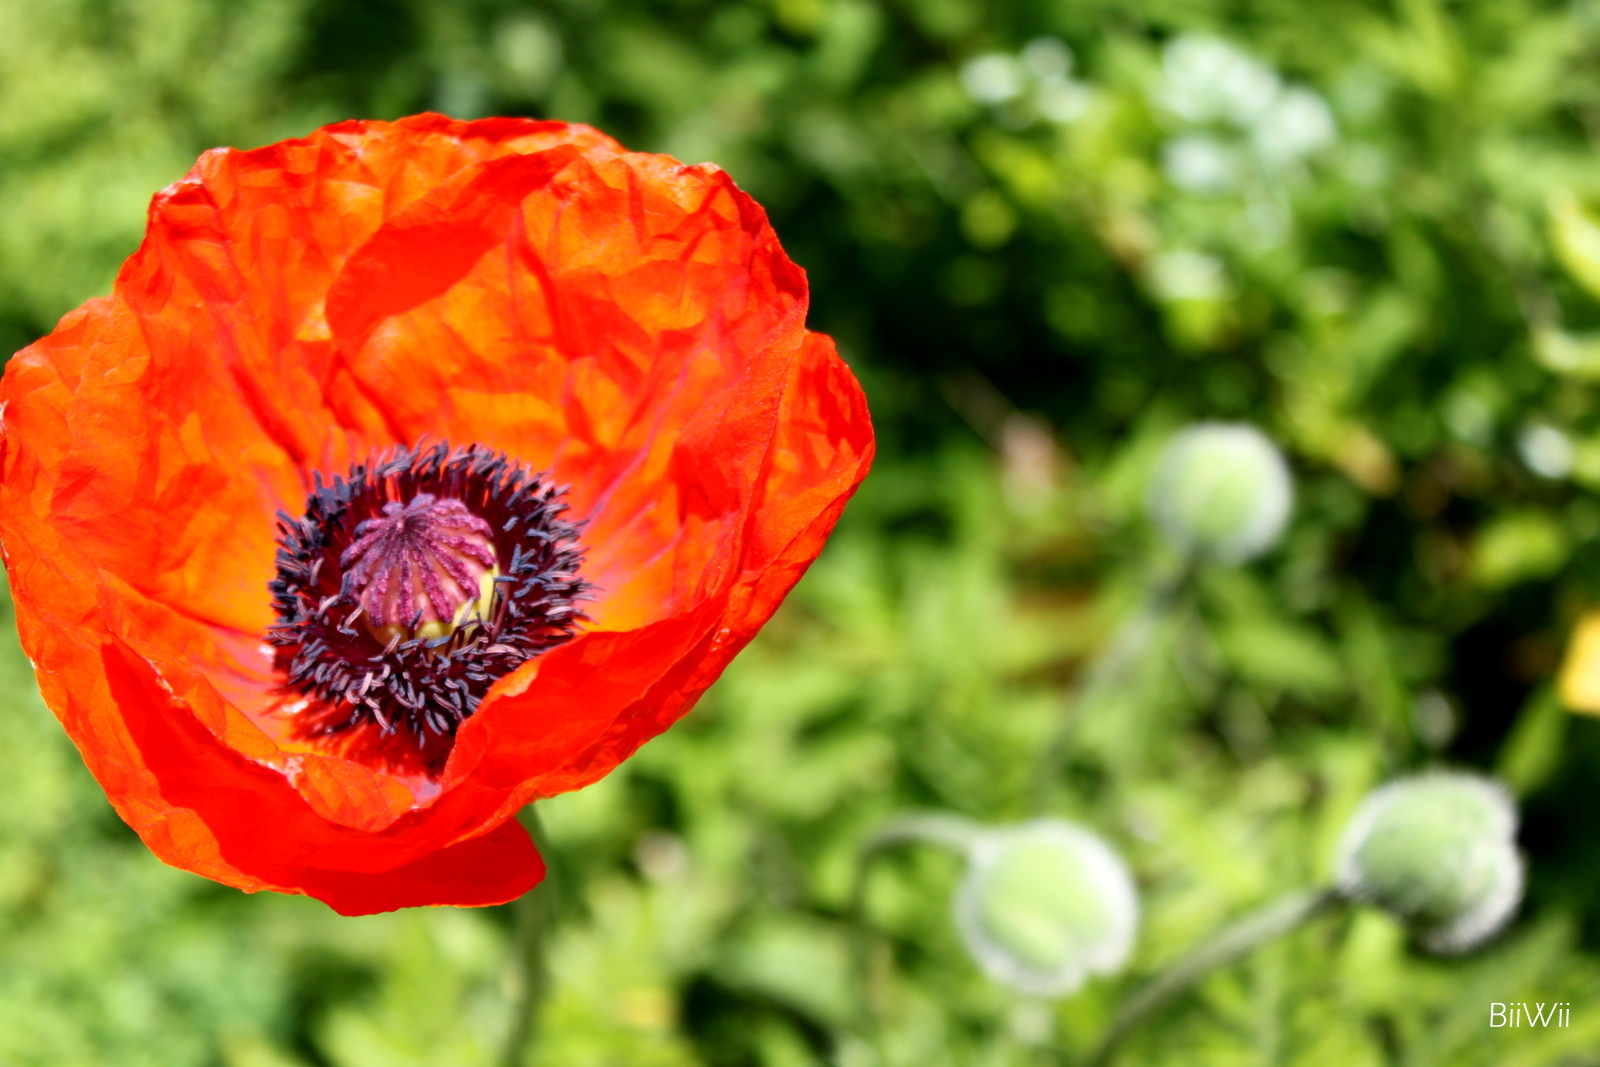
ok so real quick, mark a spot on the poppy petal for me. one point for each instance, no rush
(578, 711)
(530, 321)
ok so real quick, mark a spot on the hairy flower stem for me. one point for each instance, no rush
(1227, 945)
(533, 916)
(934, 828)
(1108, 669)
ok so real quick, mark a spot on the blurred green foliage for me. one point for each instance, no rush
(1047, 233)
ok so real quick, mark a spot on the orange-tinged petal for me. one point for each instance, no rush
(641, 363)
(566, 719)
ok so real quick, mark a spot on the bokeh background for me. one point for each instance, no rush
(1047, 234)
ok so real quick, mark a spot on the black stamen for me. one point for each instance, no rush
(401, 541)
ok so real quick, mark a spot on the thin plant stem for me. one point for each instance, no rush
(934, 828)
(533, 916)
(1106, 669)
(1227, 945)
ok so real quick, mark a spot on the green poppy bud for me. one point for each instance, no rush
(1044, 905)
(1221, 489)
(1437, 850)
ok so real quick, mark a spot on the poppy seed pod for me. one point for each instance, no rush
(1044, 905)
(1438, 851)
(1222, 490)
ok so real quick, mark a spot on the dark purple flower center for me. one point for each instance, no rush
(420, 565)
(411, 585)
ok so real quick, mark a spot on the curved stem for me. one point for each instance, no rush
(1224, 947)
(1107, 668)
(934, 828)
(533, 914)
(955, 832)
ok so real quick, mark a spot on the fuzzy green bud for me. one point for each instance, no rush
(1438, 851)
(1044, 905)
(1222, 490)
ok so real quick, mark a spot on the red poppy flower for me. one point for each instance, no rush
(412, 472)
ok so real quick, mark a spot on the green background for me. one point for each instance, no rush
(1368, 234)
